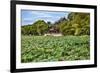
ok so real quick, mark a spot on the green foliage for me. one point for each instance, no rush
(37, 28)
(76, 24)
(41, 27)
(49, 48)
(74, 46)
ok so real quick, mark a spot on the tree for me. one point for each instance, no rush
(26, 30)
(37, 28)
(41, 27)
(76, 24)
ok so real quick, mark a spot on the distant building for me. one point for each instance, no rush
(53, 32)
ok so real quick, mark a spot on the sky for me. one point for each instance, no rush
(30, 16)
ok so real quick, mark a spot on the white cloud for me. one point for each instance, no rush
(32, 16)
(41, 14)
(26, 19)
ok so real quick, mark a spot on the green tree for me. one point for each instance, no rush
(76, 24)
(41, 27)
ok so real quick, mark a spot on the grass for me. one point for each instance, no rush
(50, 48)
